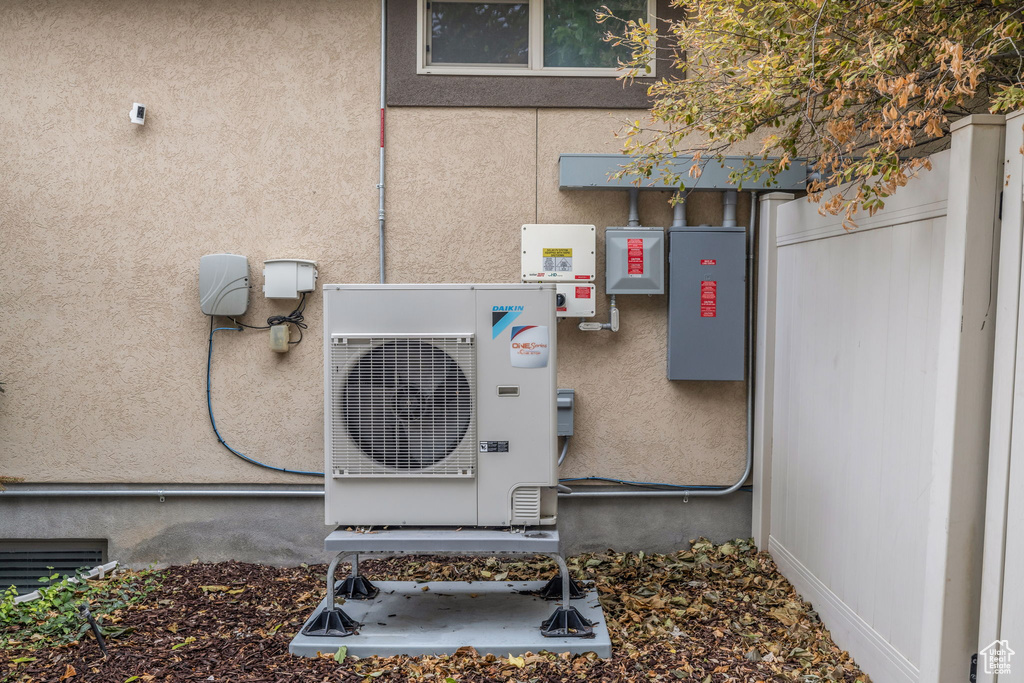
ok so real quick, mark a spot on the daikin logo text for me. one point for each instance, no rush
(502, 317)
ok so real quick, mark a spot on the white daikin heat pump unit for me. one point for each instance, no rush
(440, 405)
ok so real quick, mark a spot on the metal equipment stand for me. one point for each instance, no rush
(332, 621)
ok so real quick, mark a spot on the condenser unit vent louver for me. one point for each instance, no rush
(525, 503)
(403, 407)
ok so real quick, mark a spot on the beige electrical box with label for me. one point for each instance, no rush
(563, 254)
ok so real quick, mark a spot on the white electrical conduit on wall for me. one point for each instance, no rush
(95, 572)
(383, 104)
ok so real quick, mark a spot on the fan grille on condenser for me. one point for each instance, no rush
(403, 407)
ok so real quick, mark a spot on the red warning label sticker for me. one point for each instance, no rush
(583, 292)
(582, 277)
(709, 298)
(635, 256)
(709, 262)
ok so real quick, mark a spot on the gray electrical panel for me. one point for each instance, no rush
(634, 260)
(706, 303)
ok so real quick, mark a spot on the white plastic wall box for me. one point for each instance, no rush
(634, 261)
(286, 278)
(575, 300)
(706, 303)
(558, 253)
(223, 284)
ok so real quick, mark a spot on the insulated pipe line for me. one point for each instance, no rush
(563, 491)
(685, 494)
(565, 450)
(383, 104)
(162, 493)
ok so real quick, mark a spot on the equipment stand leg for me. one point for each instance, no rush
(554, 588)
(356, 587)
(332, 620)
(566, 621)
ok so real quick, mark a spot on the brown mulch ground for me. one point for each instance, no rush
(709, 614)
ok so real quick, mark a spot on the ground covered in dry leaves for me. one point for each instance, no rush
(709, 614)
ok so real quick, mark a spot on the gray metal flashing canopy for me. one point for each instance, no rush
(594, 171)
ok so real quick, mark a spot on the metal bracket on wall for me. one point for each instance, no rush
(594, 171)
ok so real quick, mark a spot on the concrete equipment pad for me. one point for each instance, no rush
(448, 541)
(439, 617)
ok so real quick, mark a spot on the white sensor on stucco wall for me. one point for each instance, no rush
(137, 114)
(286, 278)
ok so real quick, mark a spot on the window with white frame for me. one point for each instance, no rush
(523, 37)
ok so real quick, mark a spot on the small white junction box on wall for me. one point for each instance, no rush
(574, 300)
(286, 278)
(563, 254)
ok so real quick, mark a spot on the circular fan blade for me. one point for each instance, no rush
(407, 404)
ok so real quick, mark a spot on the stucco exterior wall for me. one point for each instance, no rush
(261, 139)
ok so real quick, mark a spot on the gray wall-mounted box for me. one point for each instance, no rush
(566, 403)
(706, 303)
(634, 261)
(223, 284)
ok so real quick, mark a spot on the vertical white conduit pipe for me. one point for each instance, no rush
(383, 82)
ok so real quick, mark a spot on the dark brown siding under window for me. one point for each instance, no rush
(406, 88)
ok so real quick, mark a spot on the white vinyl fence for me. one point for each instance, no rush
(1002, 600)
(873, 398)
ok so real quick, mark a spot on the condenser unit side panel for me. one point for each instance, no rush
(707, 304)
(516, 397)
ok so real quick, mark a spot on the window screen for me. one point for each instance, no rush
(479, 33)
(573, 38)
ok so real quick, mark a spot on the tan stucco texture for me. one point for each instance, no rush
(261, 139)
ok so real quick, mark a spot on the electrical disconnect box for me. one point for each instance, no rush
(563, 254)
(706, 303)
(566, 403)
(634, 261)
(575, 300)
